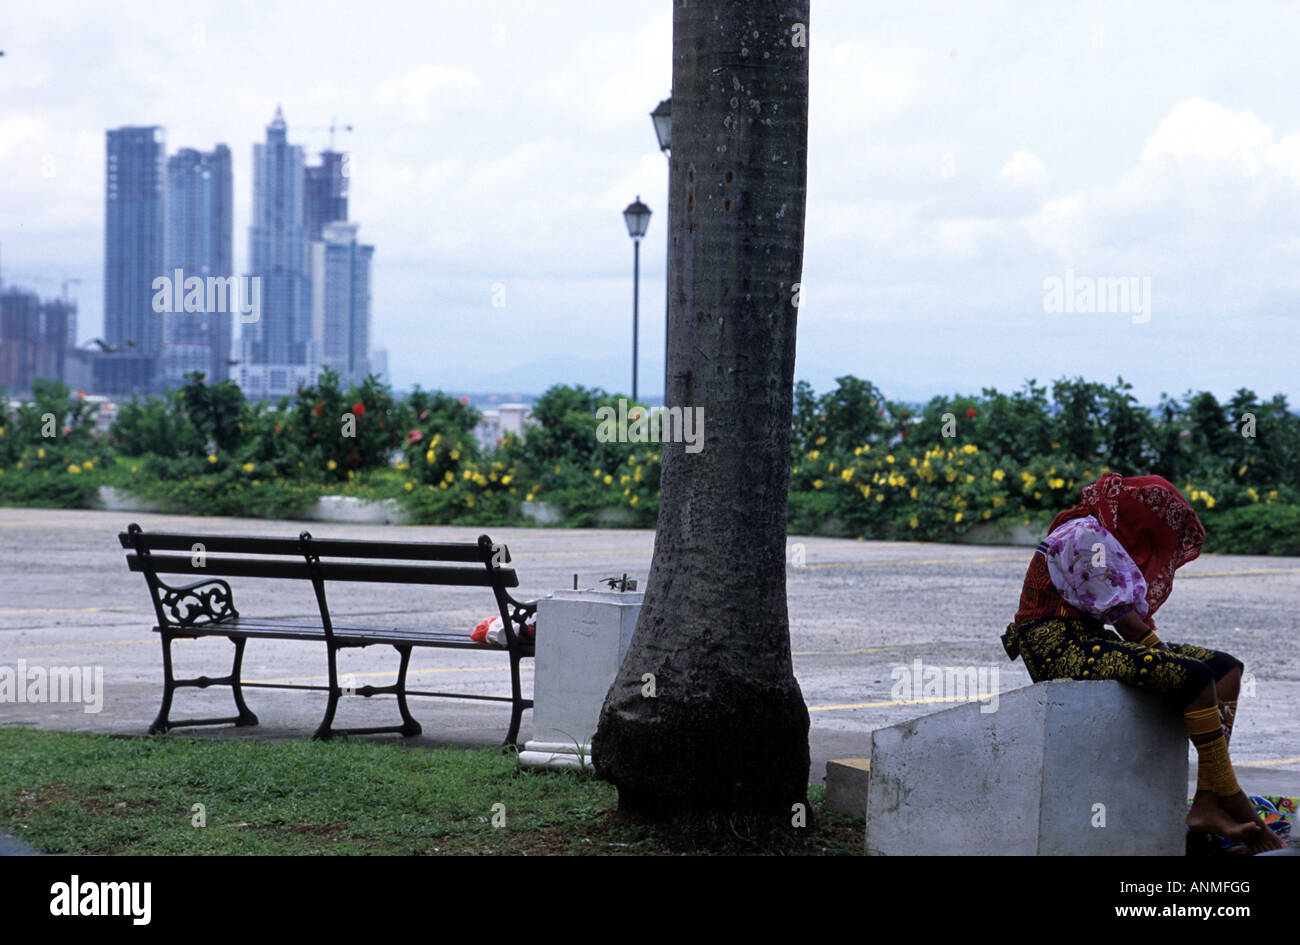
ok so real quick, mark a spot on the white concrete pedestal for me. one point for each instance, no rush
(1062, 767)
(582, 637)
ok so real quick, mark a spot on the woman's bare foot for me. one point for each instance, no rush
(1239, 808)
(1209, 816)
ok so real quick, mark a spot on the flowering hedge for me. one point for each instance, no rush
(861, 465)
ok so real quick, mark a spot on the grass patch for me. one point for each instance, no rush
(95, 794)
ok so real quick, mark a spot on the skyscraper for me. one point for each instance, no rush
(134, 248)
(325, 197)
(33, 338)
(340, 276)
(199, 243)
(278, 253)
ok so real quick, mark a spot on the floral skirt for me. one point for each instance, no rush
(1062, 648)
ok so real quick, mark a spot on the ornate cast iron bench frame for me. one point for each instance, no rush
(206, 608)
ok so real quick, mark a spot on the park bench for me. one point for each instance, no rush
(206, 608)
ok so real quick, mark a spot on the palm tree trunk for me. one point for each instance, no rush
(724, 738)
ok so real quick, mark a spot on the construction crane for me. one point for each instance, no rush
(332, 127)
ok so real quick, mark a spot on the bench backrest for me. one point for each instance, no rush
(216, 556)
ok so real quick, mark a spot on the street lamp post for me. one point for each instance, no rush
(637, 217)
(662, 117)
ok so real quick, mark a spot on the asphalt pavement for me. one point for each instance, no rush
(861, 614)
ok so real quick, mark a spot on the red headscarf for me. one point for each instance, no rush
(1151, 519)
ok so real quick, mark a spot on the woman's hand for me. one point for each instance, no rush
(1132, 629)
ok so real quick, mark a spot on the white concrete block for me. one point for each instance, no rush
(1061, 768)
(846, 786)
(582, 637)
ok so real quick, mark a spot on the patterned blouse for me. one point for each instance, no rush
(1091, 570)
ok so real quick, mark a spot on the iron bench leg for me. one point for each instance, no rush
(160, 723)
(409, 725)
(517, 702)
(326, 728)
(246, 717)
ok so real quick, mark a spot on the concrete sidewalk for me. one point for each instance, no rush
(861, 614)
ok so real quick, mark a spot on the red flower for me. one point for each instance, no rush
(971, 413)
(415, 436)
(358, 409)
(277, 428)
(318, 409)
(465, 400)
(424, 415)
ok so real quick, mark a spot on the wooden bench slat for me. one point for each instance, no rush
(463, 551)
(306, 630)
(215, 566)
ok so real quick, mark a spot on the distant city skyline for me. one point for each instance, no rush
(960, 158)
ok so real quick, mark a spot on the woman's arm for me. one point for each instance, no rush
(1133, 629)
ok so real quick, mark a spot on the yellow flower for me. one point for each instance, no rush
(469, 500)
(889, 458)
(814, 454)
(866, 492)
(608, 479)
(595, 475)
(248, 467)
(1056, 483)
(831, 467)
(1209, 501)
(528, 497)
(817, 483)
(847, 474)
(857, 450)
(1254, 496)
(1038, 495)
(467, 474)
(913, 522)
(212, 457)
(40, 453)
(455, 454)
(913, 461)
(330, 465)
(449, 476)
(970, 449)
(635, 500)
(821, 440)
(957, 517)
(998, 475)
(1241, 471)
(408, 487)
(429, 456)
(2, 431)
(880, 497)
(970, 478)
(74, 469)
(998, 501)
(403, 465)
(915, 494)
(505, 480)
(19, 464)
(1272, 494)
(866, 447)
(988, 512)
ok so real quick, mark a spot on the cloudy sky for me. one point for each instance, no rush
(961, 156)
